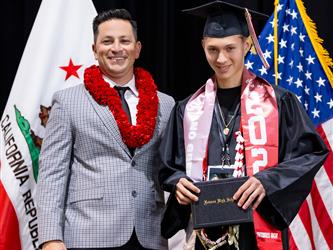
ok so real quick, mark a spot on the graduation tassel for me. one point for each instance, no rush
(255, 39)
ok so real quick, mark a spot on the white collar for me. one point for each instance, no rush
(130, 84)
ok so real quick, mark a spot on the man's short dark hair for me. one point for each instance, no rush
(114, 14)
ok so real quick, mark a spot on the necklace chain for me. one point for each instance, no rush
(224, 123)
(226, 129)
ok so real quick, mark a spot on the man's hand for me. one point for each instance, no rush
(185, 190)
(54, 245)
(251, 192)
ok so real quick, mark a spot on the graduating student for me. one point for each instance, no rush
(238, 124)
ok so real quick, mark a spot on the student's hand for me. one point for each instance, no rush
(251, 192)
(185, 190)
(54, 245)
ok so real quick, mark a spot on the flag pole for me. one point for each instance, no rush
(275, 21)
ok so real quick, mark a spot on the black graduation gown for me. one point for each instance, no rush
(301, 154)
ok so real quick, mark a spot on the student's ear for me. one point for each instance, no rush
(203, 43)
(247, 44)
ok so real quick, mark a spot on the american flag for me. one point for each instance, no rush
(302, 66)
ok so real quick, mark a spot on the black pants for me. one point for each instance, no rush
(132, 244)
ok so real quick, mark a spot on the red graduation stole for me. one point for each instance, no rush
(259, 124)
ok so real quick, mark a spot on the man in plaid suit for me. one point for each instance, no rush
(97, 186)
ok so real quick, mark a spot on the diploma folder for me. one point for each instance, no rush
(216, 206)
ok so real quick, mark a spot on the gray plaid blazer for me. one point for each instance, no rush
(91, 192)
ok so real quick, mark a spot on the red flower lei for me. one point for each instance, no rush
(133, 136)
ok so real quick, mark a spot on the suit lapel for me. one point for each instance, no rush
(108, 120)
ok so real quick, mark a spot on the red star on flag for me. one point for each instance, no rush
(71, 69)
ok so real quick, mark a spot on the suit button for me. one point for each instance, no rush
(133, 163)
(134, 193)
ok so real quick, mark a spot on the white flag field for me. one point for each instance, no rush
(55, 56)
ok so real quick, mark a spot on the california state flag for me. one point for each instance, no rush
(56, 54)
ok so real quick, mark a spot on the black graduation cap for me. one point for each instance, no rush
(224, 19)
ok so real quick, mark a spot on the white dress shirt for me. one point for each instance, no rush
(131, 96)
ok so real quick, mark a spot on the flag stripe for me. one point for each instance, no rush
(304, 214)
(8, 223)
(325, 190)
(329, 161)
(329, 167)
(292, 244)
(322, 215)
(318, 237)
(321, 193)
(325, 130)
(300, 237)
(327, 127)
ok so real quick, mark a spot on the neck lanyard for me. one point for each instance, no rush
(225, 137)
